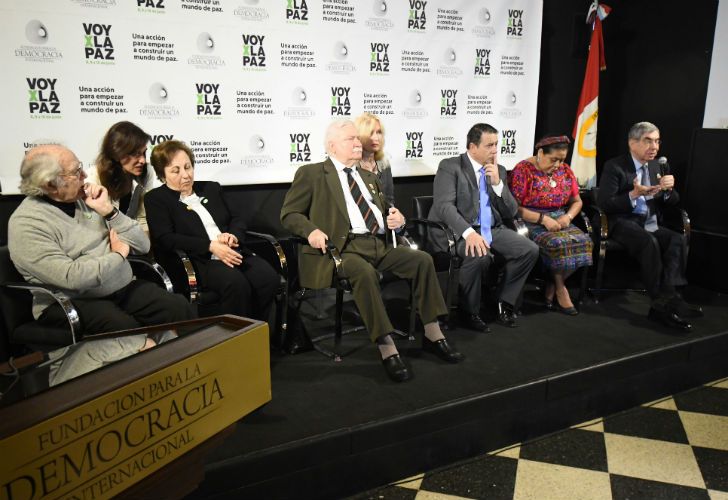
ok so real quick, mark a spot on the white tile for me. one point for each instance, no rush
(541, 481)
(653, 460)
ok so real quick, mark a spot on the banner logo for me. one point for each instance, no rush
(379, 60)
(253, 51)
(160, 109)
(414, 109)
(508, 143)
(340, 103)
(206, 59)
(208, 100)
(96, 4)
(299, 108)
(296, 10)
(340, 64)
(43, 99)
(448, 102)
(160, 138)
(37, 33)
(482, 62)
(250, 12)
(515, 23)
(380, 21)
(146, 5)
(257, 156)
(413, 145)
(98, 47)
(300, 150)
(417, 20)
(484, 27)
(510, 110)
(448, 69)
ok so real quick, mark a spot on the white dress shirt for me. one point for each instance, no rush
(358, 226)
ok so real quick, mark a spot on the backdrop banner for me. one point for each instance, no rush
(251, 85)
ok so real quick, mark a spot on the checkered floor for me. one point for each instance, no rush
(674, 448)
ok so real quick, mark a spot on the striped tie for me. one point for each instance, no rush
(369, 219)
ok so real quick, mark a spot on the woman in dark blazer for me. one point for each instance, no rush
(194, 217)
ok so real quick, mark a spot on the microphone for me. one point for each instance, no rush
(664, 166)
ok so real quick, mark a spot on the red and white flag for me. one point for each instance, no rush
(584, 156)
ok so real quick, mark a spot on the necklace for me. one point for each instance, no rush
(552, 182)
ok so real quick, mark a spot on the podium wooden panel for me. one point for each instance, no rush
(140, 427)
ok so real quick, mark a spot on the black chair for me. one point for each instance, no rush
(445, 262)
(16, 305)
(342, 285)
(184, 278)
(672, 217)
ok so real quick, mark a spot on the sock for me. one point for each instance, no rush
(433, 332)
(386, 346)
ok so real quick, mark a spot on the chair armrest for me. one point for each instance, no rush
(582, 222)
(597, 214)
(158, 271)
(438, 226)
(282, 261)
(189, 270)
(520, 226)
(60, 298)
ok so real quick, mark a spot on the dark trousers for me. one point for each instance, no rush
(520, 255)
(661, 254)
(246, 290)
(363, 257)
(140, 303)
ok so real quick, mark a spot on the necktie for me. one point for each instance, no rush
(641, 206)
(485, 216)
(369, 219)
(135, 201)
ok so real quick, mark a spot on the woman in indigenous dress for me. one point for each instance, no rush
(548, 194)
(371, 135)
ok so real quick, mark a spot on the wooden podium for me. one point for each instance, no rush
(139, 427)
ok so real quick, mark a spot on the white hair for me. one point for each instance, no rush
(333, 128)
(37, 171)
(640, 129)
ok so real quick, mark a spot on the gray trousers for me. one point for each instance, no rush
(83, 357)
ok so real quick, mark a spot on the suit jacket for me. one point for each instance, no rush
(616, 183)
(172, 225)
(456, 198)
(315, 200)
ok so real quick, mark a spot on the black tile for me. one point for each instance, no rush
(632, 488)
(714, 466)
(650, 423)
(489, 477)
(713, 400)
(573, 448)
(388, 493)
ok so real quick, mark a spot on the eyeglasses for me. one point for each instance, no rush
(651, 142)
(75, 173)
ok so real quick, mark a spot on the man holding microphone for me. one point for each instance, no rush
(472, 198)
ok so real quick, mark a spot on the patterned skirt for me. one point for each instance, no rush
(563, 250)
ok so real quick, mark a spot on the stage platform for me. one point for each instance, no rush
(335, 429)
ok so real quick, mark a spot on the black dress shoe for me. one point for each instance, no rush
(569, 311)
(474, 322)
(669, 318)
(549, 304)
(396, 369)
(686, 310)
(442, 350)
(506, 316)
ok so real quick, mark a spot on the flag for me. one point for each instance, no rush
(584, 156)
